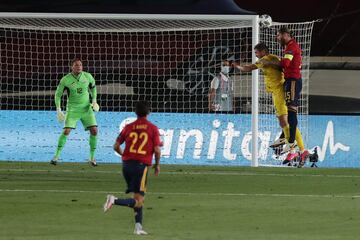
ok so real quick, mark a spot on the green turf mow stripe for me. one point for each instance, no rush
(228, 173)
(190, 194)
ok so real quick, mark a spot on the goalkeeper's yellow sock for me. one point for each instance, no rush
(93, 143)
(61, 144)
(298, 136)
(286, 131)
(299, 139)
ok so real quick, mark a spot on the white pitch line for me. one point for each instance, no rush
(190, 193)
(230, 173)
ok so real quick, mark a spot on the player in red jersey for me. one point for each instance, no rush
(142, 141)
(291, 65)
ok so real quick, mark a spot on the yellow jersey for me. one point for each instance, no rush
(274, 78)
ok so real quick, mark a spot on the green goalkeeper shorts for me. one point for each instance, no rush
(87, 119)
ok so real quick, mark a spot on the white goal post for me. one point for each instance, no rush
(167, 59)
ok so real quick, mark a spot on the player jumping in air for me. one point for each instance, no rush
(142, 141)
(80, 85)
(291, 66)
(274, 80)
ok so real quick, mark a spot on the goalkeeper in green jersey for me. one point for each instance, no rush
(80, 86)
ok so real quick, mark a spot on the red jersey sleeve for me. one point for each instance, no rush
(286, 60)
(291, 61)
(121, 137)
(156, 140)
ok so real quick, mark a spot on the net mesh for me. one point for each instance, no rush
(171, 63)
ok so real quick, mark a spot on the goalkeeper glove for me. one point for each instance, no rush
(95, 106)
(60, 115)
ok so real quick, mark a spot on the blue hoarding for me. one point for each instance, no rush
(203, 139)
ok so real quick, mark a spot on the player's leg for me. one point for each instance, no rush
(128, 169)
(299, 140)
(292, 94)
(281, 113)
(61, 143)
(139, 196)
(93, 143)
(304, 153)
(291, 98)
(135, 174)
(293, 89)
(138, 211)
(89, 122)
(70, 123)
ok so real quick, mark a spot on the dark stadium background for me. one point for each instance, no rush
(337, 34)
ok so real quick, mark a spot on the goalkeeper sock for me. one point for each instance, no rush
(292, 119)
(138, 215)
(93, 143)
(128, 202)
(286, 131)
(299, 139)
(61, 144)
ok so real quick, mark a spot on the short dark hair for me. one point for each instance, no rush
(261, 47)
(284, 29)
(142, 108)
(75, 60)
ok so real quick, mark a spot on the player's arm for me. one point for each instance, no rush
(58, 94)
(119, 140)
(117, 148)
(283, 63)
(157, 151)
(272, 64)
(93, 94)
(286, 60)
(245, 68)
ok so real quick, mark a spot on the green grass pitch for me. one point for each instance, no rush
(39, 201)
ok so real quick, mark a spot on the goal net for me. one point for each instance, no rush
(166, 59)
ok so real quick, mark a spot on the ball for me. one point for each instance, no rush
(265, 21)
